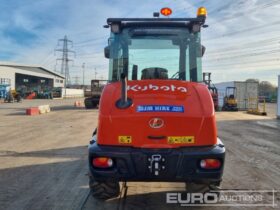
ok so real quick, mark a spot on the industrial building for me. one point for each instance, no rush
(26, 78)
(244, 92)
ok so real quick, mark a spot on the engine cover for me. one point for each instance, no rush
(163, 114)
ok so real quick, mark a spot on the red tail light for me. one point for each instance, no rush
(102, 162)
(210, 163)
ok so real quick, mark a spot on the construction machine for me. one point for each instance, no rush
(13, 96)
(212, 88)
(156, 118)
(96, 90)
(230, 101)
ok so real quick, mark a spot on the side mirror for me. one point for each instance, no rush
(107, 52)
(203, 49)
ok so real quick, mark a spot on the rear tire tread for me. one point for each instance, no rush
(104, 190)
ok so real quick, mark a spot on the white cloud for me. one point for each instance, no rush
(83, 20)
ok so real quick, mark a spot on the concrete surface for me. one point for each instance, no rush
(43, 159)
(271, 109)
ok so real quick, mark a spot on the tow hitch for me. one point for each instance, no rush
(156, 164)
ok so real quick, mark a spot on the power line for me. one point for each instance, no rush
(243, 67)
(90, 45)
(245, 30)
(223, 54)
(51, 62)
(83, 66)
(45, 59)
(246, 45)
(95, 73)
(89, 54)
(274, 51)
(65, 58)
(90, 40)
(242, 63)
(245, 12)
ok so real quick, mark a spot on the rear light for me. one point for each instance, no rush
(210, 164)
(102, 162)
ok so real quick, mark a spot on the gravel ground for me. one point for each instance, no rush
(43, 159)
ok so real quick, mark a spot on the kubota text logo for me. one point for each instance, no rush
(171, 88)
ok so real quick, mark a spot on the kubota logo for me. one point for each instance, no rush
(156, 123)
(171, 88)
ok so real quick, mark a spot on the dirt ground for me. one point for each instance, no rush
(43, 159)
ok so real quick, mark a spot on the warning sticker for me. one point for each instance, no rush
(125, 139)
(180, 139)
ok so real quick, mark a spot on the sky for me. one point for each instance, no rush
(242, 40)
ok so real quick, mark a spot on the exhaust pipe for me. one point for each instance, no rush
(124, 89)
(123, 102)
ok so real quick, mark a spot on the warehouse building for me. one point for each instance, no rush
(26, 78)
(246, 92)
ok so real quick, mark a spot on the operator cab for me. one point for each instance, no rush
(155, 48)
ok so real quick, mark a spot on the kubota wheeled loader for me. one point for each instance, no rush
(156, 117)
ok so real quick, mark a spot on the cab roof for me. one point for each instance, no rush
(157, 21)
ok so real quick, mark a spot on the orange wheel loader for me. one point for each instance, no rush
(156, 117)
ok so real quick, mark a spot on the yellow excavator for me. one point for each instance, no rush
(230, 101)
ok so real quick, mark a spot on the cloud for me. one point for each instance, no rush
(29, 31)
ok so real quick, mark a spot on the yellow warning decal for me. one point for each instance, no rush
(125, 139)
(180, 139)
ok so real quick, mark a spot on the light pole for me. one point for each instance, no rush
(83, 66)
(95, 73)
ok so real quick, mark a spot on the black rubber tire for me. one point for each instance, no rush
(104, 190)
(193, 187)
(91, 103)
(94, 105)
(197, 188)
(203, 188)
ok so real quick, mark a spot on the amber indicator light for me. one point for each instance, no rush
(166, 11)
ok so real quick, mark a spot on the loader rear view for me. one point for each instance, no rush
(156, 118)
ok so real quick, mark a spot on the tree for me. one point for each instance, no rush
(266, 89)
(253, 80)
